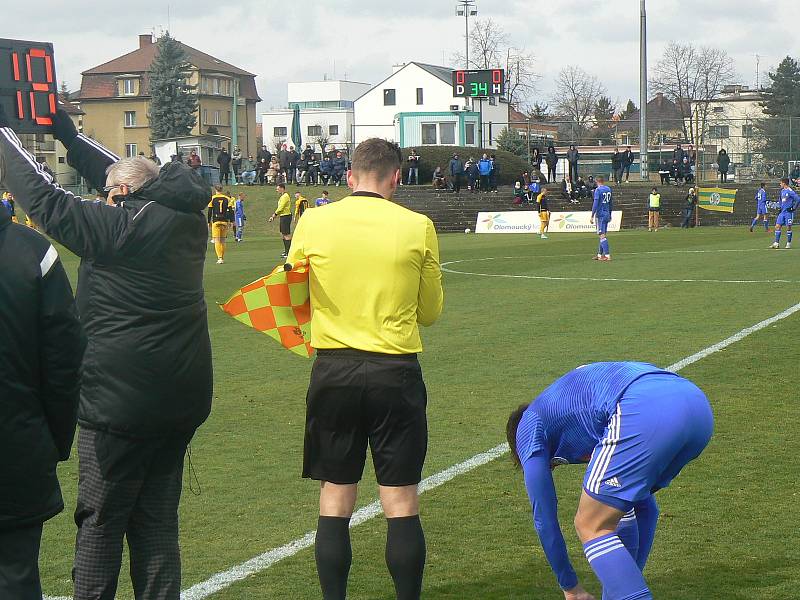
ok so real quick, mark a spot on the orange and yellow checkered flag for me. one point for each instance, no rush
(278, 305)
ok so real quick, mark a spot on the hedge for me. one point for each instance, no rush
(510, 165)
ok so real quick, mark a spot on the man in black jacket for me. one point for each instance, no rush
(147, 369)
(41, 348)
(224, 162)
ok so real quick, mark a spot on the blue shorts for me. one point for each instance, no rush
(602, 224)
(240, 221)
(762, 209)
(662, 422)
(785, 218)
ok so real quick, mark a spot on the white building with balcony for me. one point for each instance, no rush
(415, 106)
(326, 112)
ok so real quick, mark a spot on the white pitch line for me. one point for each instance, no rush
(264, 561)
(594, 279)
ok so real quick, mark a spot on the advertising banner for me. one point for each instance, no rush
(527, 221)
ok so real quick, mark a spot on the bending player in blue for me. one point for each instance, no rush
(761, 209)
(637, 426)
(789, 202)
(601, 215)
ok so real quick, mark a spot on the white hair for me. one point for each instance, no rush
(134, 172)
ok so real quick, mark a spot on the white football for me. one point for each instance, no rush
(468, 230)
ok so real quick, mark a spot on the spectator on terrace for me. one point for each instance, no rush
(677, 171)
(313, 170)
(664, 172)
(413, 167)
(224, 162)
(194, 161)
(283, 160)
(485, 170)
(325, 169)
(439, 182)
(293, 158)
(495, 171)
(248, 171)
(338, 168)
(688, 170)
(551, 159)
(627, 162)
(264, 154)
(616, 166)
(572, 158)
(536, 159)
(273, 171)
(456, 170)
(302, 170)
(473, 174)
(723, 163)
(308, 152)
(261, 174)
(688, 209)
(236, 163)
(678, 153)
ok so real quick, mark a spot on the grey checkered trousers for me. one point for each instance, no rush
(135, 494)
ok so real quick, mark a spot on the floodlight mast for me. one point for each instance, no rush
(467, 9)
(643, 165)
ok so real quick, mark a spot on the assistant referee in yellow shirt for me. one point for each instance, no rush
(375, 277)
(284, 213)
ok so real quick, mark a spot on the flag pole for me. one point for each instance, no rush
(643, 166)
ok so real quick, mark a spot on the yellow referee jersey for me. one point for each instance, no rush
(284, 205)
(375, 274)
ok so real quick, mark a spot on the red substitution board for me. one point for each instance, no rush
(28, 85)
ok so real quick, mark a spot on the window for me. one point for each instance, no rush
(215, 85)
(419, 96)
(129, 87)
(229, 118)
(447, 134)
(315, 130)
(204, 85)
(333, 130)
(428, 133)
(217, 117)
(130, 118)
(469, 134)
(626, 140)
(279, 131)
(62, 160)
(719, 109)
(747, 131)
(718, 132)
(130, 150)
(389, 98)
(205, 116)
(492, 100)
(661, 138)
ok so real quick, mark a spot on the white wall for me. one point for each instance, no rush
(373, 119)
(319, 91)
(325, 117)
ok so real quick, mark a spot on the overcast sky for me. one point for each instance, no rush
(302, 40)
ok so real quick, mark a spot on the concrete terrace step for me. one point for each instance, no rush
(456, 212)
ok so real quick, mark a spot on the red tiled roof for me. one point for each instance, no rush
(98, 82)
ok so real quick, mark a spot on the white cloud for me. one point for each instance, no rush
(296, 41)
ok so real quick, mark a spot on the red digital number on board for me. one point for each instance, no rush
(497, 76)
(460, 77)
(38, 87)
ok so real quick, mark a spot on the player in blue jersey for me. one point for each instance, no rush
(761, 209)
(239, 217)
(789, 202)
(601, 215)
(636, 426)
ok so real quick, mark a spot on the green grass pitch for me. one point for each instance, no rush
(728, 523)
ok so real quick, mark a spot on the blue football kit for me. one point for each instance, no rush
(239, 218)
(761, 209)
(637, 426)
(789, 202)
(602, 208)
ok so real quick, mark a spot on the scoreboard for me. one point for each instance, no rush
(479, 84)
(28, 85)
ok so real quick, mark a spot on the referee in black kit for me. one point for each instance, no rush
(375, 277)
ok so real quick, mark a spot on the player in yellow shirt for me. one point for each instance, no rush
(374, 278)
(300, 206)
(544, 213)
(219, 219)
(284, 211)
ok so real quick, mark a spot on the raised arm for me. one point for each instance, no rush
(84, 154)
(542, 494)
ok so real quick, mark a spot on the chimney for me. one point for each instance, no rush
(146, 39)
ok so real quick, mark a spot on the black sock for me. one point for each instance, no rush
(334, 555)
(287, 244)
(405, 555)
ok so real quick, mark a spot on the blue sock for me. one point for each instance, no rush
(777, 235)
(628, 533)
(616, 569)
(646, 521)
(604, 246)
(789, 237)
(753, 224)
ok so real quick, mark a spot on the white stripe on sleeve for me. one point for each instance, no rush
(49, 260)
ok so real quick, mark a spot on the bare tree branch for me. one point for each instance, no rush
(576, 96)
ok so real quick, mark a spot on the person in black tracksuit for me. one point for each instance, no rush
(147, 379)
(41, 347)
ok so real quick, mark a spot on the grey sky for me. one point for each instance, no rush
(300, 40)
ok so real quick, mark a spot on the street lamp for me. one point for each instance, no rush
(643, 166)
(466, 9)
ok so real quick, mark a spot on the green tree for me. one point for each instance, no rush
(781, 103)
(174, 103)
(629, 111)
(511, 141)
(539, 112)
(604, 112)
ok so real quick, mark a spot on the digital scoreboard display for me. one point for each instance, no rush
(479, 84)
(28, 85)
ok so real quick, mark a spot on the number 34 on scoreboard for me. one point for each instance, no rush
(28, 85)
(479, 83)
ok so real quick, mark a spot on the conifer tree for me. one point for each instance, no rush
(173, 103)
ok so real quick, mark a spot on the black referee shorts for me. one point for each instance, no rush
(357, 398)
(286, 224)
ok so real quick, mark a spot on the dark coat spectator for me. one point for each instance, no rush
(617, 165)
(313, 170)
(41, 350)
(224, 162)
(678, 153)
(293, 158)
(572, 158)
(264, 154)
(723, 163)
(325, 169)
(308, 152)
(551, 159)
(536, 159)
(456, 169)
(339, 167)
